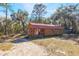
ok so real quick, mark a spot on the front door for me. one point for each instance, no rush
(41, 32)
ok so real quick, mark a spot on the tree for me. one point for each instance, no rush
(21, 16)
(39, 10)
(68, 14)
(7, 7)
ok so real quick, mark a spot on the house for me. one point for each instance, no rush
(38, 29)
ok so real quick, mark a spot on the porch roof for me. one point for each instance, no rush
(45, 26)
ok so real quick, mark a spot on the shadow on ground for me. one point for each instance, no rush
(19, 40)
(73, 37)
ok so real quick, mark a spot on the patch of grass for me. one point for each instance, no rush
(5, 46)
(55, 46)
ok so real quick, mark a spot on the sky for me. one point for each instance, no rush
(51, 8)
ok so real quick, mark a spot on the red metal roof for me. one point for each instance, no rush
(48, 26)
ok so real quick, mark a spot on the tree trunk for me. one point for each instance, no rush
(65, 24)
(23, 26)
(6, 20)
(74, 26)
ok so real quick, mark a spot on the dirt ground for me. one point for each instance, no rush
(41, 47)
(22, 49)
(59, 47)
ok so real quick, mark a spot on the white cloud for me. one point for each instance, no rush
(28, 7)
(50, 12)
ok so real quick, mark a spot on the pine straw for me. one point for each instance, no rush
(55, 46)
(5, 46)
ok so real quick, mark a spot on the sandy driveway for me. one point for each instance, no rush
(25, 49)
